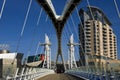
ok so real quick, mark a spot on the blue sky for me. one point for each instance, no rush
(13, 18)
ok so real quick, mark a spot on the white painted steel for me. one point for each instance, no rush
(30, 74)
(71, 58)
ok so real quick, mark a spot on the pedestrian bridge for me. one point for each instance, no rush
(71, 70)
(73, 74)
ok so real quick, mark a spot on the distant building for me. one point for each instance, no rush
(9, 62)
(98, 41)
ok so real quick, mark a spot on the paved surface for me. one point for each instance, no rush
(59, 77)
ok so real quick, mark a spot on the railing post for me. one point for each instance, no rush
(30, 76)
(16, 73)
(22, 73)
(26, 74)
(33, 73)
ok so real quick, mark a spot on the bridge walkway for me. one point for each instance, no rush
(60, 77)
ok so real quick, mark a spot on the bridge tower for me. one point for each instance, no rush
(71, 52)
(59, 20)
(47, 50)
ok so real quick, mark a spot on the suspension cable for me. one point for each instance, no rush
(69, 31)
(46, 18)
(118, 12)
(34, 33)
(39, 16)
(83, 32)
(75, 31)
(39, 42)
(2, 8)
(24, 24)
(69, 27)
(65, 37)
(36, 52)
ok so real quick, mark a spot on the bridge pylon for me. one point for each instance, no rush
(47, 50)
(71, 52)
(59, 20)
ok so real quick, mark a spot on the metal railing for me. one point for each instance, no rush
(29, 74)
(92, 75)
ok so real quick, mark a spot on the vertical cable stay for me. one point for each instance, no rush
(90, 10)
(69, 27)
(65, 37)
(34, 33)
(77, 13)
(26, 17)
(83, 32)
(46, 18)
(37, 48)
(36, 52)
(1, 12)
(79, 18)
(73, 28)
(118, 12)
(31, 43)
(67, 34)
(24, 24)
(76, 33)
(70, 34)
(39, 16)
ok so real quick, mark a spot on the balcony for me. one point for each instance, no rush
(88, 35)
(104, 28)
(88, 43)
(110, 38)
(88, 25)
(111, 56)
(104, 45)
(104, 38)
(111, 44)
(105, 42)
(88, 49)
(88, 21)
(88, 53)
(88, 32)
(88, 39)
(105, 51)
(104, 31)
(105, 35)
(110, 33)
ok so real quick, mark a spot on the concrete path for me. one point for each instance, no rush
(59, 77)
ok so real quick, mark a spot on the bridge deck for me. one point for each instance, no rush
(59, 77)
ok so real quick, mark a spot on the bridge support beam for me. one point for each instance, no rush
(59, 20)
(71, 52)
(47, 60)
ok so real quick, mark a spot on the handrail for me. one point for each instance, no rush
(31, 73)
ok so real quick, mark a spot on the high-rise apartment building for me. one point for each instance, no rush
(98, 41)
